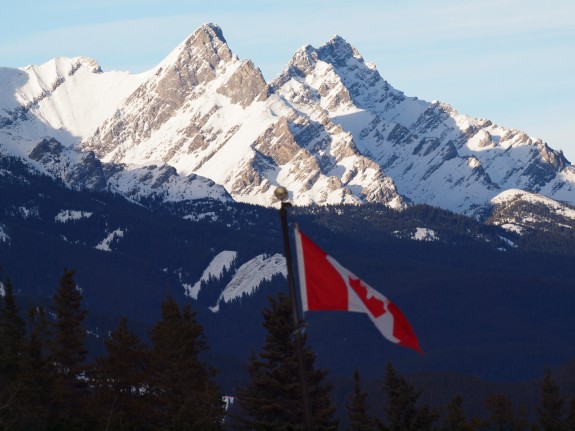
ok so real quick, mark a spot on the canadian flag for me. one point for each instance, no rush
(327, 285)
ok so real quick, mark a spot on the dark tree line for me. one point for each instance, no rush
(47, 384)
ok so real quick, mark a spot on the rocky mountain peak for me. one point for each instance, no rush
(209, 40)
(201, 53)
(553, 157)
(89, 63)
(212, 30)
(301, 63)
(340, 76)
(182, 77)
(338, 51)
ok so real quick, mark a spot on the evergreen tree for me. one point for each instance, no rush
(402, 411)
(38, 375)
(358, 408)
(455, 419)
(68, 354)
(12, 343)
(272, 399)
(68, 349)
(119, 378)
(550, 410)
(12, 334)
(502, 416)
(182, 386)
(570, 421)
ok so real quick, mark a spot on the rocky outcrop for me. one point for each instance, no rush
(83, 170)
(246, 85)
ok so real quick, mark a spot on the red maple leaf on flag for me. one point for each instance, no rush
(375, 305)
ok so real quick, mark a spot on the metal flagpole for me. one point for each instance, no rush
(282, 194)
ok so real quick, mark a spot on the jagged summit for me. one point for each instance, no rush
(338, 51)
(213, 28)
(204, 49)
(207, 31)
(208, 35)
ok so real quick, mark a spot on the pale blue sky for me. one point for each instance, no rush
(511, 61)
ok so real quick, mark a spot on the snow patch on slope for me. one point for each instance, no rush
(508, 242)
(424, 234)
(67, 215)
(250, 276)
(210, 215)
(105, 244)
(220, 263)
(3, 235)
(27, 213)
(420, 234)
(512, 227)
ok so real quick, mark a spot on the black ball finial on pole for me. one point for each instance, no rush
(282, 194)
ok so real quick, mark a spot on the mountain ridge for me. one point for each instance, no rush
(328, 127)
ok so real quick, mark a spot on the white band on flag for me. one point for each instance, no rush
(301, 269)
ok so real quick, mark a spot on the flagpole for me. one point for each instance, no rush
(282, 194)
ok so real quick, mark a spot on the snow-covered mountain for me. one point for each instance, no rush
(205, 124)
(204, 111)
(434, 154)
(46, 110)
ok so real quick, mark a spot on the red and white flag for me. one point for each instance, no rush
(326, 285)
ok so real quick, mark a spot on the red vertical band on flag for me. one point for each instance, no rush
(321, 284)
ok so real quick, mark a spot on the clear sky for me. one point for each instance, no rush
(511, 61)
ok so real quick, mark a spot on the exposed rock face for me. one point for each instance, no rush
(245, 85)
(83, 170)
(86, 171)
